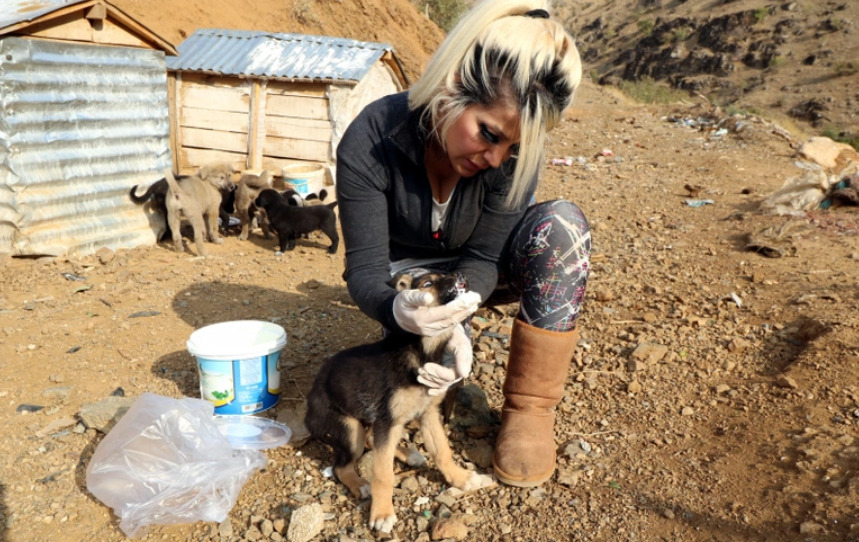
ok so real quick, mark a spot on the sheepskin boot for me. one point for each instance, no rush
(536, 370)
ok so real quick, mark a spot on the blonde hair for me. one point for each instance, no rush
(505, 51)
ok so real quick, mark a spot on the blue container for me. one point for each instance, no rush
(238, 365)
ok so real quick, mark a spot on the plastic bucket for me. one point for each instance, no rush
(305, 179)
(237, 365)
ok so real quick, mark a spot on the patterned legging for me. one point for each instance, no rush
(547, 263)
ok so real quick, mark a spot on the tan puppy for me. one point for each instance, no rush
(249, 187)
(196, 199)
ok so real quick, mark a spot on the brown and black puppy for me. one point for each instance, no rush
(249, 187)
(290, 221)
(374, 386)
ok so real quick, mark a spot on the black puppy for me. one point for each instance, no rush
(375, 386)
(157, 192)
(290, 221)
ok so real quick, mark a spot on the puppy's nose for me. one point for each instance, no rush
(461, 281)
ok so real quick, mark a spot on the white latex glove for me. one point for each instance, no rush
(439, 378)
(412, 313)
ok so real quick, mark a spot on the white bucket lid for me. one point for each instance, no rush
(251, 433)
(237, 339)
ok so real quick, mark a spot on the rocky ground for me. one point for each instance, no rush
(714, 396)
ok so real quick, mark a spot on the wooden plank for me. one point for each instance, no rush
(173, 82)
(226, 121)
(310, 90)
(299, 149)
(80, 29)
(214, 139)
(297, 106)
(207, 80)
(256, 131)
(314, 130)
(194, 159)
(235, 100)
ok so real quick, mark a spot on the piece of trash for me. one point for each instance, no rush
(328, 472)
(720, 132)
(698, 202)
(606, 152)
(420, 501)
(25, 407)
(73, 349)
(737, 299)
(566, 161)
(83, 288)
(166, 462)
(231, 223)
(144, 314)
(72, 276)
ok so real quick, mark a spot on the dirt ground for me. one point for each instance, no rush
(714, 396)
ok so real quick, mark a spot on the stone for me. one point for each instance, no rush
(102, 415)
(306, 522)
(105, 255)
(649, 353)
(448, 528)
(293, 417)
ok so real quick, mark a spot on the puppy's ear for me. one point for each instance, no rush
(401, 281)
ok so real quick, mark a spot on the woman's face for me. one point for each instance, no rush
(482, 137)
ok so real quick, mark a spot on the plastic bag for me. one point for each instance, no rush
(165, 462)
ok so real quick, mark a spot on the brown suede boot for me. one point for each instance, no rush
(536, 371)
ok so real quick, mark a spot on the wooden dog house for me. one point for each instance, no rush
(83, 118)
(268, 100)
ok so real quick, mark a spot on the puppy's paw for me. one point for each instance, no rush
(278, 253)
(415, 459)
(218, 240)
(384, 523)
(478, 481)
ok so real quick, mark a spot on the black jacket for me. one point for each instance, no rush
(385, 203)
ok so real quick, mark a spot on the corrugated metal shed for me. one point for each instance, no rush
(83, 117)
(290, 57)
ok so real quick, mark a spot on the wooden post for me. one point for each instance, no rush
(174, 80)
(256, 124)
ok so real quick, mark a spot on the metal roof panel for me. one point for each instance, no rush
(276, 55)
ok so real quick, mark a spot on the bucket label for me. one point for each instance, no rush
(242, 386)
(302, 186)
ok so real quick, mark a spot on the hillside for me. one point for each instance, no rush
(397, 22)
(793, 60)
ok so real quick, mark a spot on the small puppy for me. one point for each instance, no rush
(249, 187)
(294, 198)
(375, 386)
(157, 193)
(290, 221)
(198, 201)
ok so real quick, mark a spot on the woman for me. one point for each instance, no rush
(441, 178)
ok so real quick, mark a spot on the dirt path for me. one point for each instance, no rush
(714, 396)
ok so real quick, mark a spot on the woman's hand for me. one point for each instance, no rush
(439, 378)
(412, 313)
